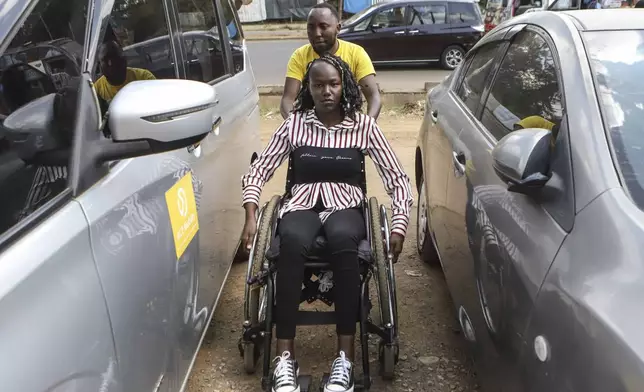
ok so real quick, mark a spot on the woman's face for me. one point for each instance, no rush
(326, 87)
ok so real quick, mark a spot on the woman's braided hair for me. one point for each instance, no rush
(351, 99)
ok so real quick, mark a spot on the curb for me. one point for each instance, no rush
(278, 90)
(275, 38)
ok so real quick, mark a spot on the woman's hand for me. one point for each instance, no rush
(396, 245)
(250, 227)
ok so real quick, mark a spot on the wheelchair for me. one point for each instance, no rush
(375, 262)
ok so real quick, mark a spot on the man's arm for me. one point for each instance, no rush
(366, 76)
(291, 88)
(370, 90)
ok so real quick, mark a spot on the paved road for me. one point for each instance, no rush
(269, 59)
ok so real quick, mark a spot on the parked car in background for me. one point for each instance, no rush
(118, 227)
(416, 31)
(530, 175)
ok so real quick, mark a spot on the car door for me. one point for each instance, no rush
(144, 224)
(384, 39)
(450, 197)
(55, 332)
(513, 237)
(223, 157)
(428, 31)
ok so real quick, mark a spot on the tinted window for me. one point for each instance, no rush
(135, 46)
(199, 24)
(428, 14)
(474, 79)
(464, 13)
(42, 63)
(525, 92)
(391, 17)
(234, 32)
(617, 61)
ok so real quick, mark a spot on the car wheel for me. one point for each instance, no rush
(452, 57)
(424, 240)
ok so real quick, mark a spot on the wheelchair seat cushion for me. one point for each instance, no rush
(318, 251)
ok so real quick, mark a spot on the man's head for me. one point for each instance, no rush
(113, 63)
(323, 25)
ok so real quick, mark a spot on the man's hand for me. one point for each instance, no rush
(291, 89)
(396, 244)
(370, 90)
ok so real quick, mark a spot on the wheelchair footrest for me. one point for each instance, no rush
(305, 382)
(325, 379)
(358, 386)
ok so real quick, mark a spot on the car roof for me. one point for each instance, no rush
(608, 19)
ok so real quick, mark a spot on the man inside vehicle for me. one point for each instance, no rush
(116, 73)
(323, 25)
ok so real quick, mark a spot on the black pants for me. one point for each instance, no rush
(344, 230)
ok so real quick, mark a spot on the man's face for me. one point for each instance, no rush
(322, 29)
(114, 67)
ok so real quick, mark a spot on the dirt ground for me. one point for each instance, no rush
(432, 352)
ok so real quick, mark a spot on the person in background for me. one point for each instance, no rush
(116, 73)
(323, 26)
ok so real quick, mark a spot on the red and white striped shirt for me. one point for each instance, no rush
(304, 129)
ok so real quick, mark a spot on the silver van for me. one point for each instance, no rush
(119, 215)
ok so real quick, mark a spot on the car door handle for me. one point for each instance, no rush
(399, 32)
(413, 31)
(459, 163)
(434, 116)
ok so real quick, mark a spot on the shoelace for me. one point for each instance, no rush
(340, 371)
(284, 371)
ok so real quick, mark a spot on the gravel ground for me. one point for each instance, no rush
(432, 356)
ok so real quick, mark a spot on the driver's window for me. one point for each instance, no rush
(391, 17)
(428, 14)
(41, 63)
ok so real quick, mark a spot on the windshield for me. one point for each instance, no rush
(359, 15)
(617, 61)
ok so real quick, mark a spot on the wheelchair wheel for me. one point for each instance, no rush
(388, 350)
(380, 260)
(255, 295)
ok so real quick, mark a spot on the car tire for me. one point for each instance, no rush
(424, 241)
(452, 57)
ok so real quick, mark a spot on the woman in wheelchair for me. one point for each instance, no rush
(325, 137)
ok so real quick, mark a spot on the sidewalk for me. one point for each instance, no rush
(274, 32)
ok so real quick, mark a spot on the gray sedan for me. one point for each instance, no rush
(530, 174)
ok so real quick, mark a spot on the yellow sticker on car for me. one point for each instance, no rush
(183, 213)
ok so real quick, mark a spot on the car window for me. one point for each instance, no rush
(473, 81)
(428, 14)
(390, 17)
(135, 46)
(230, 8)
(467, 13)
(198, 22)
(38, 79)
(617, 62)
(525, 92)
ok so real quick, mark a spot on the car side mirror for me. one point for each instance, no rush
(522, 159)
(161, 115)
(376, 26)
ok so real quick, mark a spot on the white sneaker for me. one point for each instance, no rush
(285, 374)
(341, 378)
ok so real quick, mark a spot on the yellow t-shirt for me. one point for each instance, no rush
(352, 54)
(106, 91)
